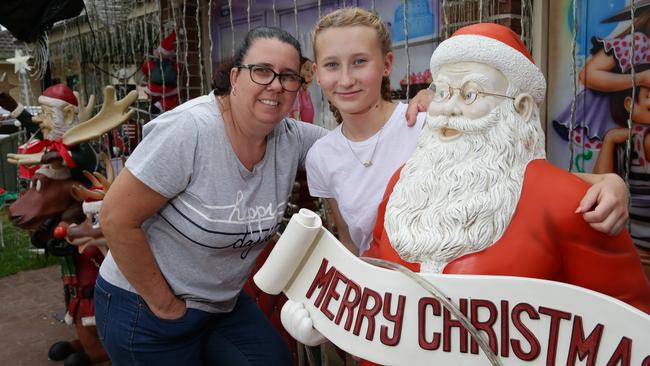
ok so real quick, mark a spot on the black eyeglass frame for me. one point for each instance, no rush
(275, 75)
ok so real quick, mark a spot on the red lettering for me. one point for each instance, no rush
(396, 319)
(622, 353)
(556, 317)
(448, 324)
(422, 324)
(332, 294)
(349, 304)
(530, 337)
(368, 313)
(581, 347)
(505, 328)
(487, 326)
(321, 280)
(646, 361)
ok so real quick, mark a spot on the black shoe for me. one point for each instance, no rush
(60, 350)
(77, 359)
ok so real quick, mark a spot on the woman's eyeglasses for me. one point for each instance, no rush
(263, 75)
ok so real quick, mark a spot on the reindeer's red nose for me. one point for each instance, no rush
(60, 232)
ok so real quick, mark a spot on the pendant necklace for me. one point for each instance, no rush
(367, 163)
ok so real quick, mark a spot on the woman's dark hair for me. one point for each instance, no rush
(221, 80)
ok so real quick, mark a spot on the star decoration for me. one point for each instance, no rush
(20, 62)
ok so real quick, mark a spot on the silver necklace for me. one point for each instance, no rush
(368, 163)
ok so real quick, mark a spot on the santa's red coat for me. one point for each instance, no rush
(546, 239)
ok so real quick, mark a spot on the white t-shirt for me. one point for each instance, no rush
(333, 171)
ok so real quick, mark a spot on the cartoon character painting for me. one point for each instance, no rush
(602, 109)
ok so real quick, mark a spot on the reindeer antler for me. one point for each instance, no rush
(25, 159)
(112, 114)
(5, 85)
(81, 193)
(85, 111)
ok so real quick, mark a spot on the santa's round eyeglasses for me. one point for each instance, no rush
(469, 92)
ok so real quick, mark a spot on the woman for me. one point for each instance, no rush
(186, 218)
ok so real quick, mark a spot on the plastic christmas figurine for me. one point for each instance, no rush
(161, 72)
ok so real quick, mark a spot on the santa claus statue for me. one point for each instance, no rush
(478, 196)
(59, 112)
(161, 72)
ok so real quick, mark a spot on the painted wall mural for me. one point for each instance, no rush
(597, 112)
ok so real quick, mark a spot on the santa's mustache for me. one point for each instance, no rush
(464, 124)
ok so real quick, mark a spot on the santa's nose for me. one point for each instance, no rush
(452, 108)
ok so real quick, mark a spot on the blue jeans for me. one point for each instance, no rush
(133, 335)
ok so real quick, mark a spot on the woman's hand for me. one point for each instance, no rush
(604, 206)
(175, 309)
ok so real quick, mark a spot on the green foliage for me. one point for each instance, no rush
(17, 254)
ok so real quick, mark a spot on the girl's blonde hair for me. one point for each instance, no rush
(348, 17)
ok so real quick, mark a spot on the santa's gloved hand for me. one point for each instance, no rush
(297, 322)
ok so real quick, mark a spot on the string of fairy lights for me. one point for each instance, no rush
(111, 38)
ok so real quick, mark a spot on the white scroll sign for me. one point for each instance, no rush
(383, 316)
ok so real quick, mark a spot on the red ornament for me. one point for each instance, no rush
(60, 232)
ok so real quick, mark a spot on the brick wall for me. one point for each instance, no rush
(189, 42)
(463, 12)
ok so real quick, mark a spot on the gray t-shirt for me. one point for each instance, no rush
(219, 215)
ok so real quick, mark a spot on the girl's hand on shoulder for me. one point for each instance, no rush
(419, 103)
(604, 206)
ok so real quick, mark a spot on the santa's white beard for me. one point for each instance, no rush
(59, 126)
(458, 196)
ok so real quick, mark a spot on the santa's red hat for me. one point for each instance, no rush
(58, 96)
(497, 46)
(167, 45)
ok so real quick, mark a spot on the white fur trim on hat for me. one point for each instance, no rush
(517, 68)
(91, 207)
(56, 103)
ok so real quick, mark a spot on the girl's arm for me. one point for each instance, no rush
(598, 75)
(342, 227)
(605, 161)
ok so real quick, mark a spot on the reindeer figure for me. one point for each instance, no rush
(89, 233)
(53, 199)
